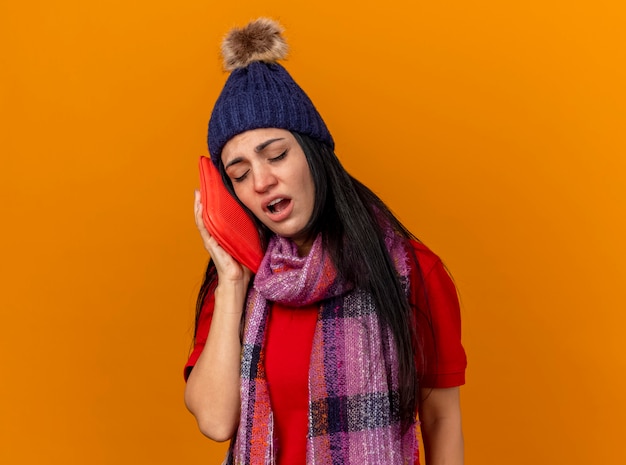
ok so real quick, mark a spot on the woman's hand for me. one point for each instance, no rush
(228, 269)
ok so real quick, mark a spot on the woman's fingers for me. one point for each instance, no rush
(226, 265)
(209, 241)
(198, 213)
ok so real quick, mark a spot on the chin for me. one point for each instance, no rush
(295, 234)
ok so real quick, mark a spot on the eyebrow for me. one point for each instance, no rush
(259, 148)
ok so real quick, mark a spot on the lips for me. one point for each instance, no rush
(279, 209)
(278, 205)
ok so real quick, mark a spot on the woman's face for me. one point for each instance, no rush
(272, 178)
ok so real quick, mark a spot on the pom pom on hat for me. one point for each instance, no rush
(260, 93)
(261, 40)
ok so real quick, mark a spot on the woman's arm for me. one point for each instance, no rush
(440, 417)
(212, 391)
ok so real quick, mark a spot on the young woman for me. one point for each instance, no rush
(349, 329)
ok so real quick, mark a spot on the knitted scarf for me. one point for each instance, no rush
(353, 374)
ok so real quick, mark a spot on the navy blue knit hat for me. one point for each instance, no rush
(260, 93)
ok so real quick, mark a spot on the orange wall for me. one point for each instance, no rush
(496, 130)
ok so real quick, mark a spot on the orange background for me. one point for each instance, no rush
(495, 130)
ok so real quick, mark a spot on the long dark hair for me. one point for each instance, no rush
(352, 221)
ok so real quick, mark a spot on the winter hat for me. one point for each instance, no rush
(260, 93)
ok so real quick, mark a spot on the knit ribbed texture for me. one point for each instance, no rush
(354, 416)
(262, 95)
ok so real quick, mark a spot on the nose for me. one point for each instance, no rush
(264, 179)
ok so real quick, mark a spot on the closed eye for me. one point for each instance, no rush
(280, 157)
(241, 178)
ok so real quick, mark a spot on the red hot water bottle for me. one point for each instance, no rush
(226, 220)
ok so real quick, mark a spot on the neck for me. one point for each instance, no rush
(304, 246)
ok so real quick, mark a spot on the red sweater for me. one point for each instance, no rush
(290, 337)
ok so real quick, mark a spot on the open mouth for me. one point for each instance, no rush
(277, 205)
